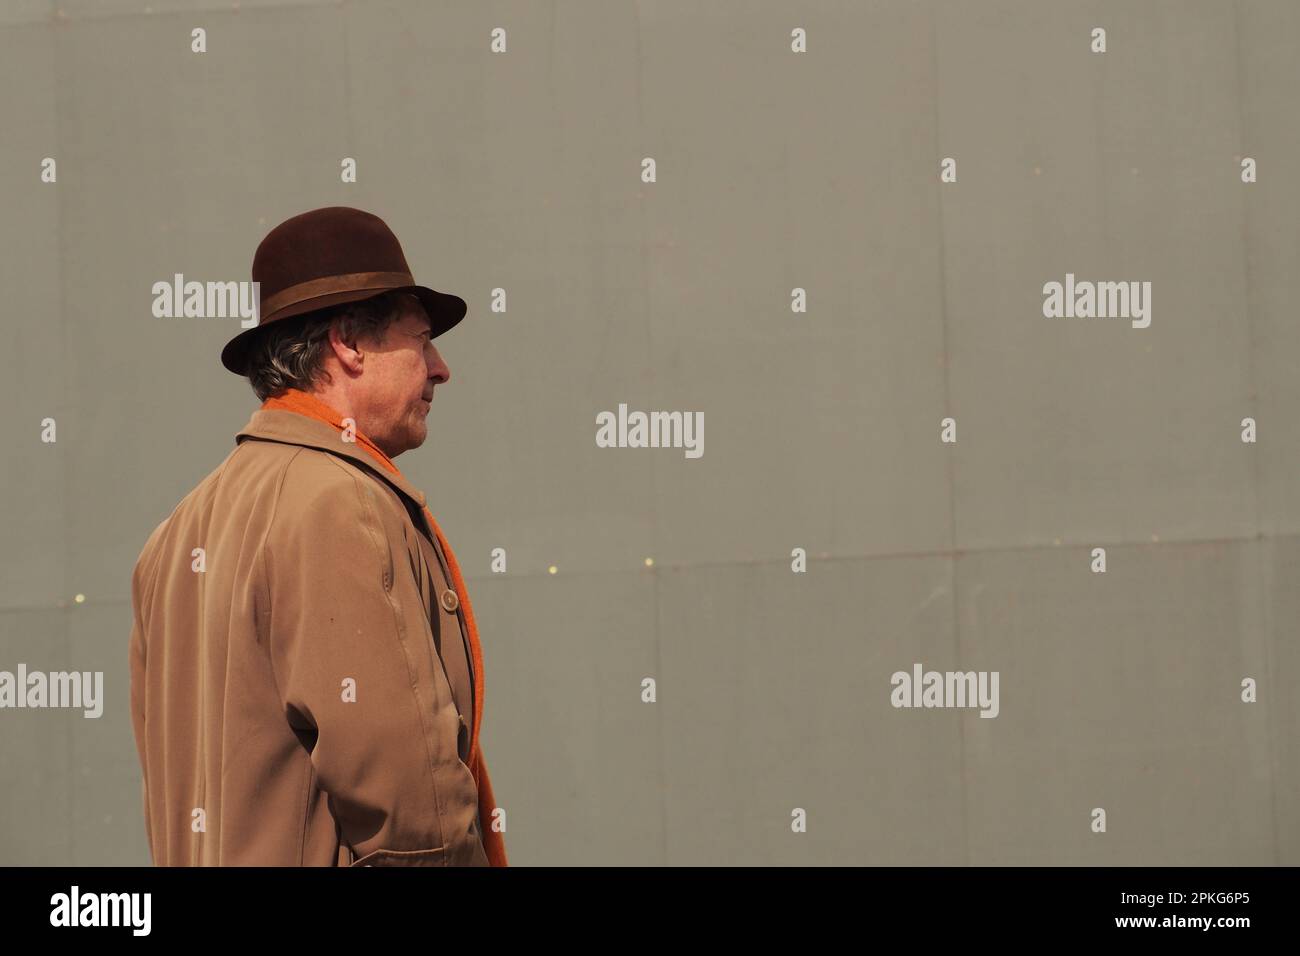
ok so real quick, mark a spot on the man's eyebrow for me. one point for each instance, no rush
(425, 322)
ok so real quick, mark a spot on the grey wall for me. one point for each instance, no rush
(776, 170)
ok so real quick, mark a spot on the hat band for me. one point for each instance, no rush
(327, 285)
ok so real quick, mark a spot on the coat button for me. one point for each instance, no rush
(449, 600)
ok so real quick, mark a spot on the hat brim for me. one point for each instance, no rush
(445, 311)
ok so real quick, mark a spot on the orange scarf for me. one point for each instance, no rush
(307, 404)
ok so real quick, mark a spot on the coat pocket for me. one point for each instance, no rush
(434, 857)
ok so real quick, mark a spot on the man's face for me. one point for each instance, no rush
(396, 387)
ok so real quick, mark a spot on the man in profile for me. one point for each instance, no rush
(306, 676)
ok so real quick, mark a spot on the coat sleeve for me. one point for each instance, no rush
(137, 719)
(141, 586)
(352, 656)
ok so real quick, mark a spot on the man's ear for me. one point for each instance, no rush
(349, 354)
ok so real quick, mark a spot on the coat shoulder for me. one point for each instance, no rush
(316, 481)
(158, 540)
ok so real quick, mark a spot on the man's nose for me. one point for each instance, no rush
(438, 370)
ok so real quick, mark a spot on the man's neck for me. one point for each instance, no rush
(340, 401)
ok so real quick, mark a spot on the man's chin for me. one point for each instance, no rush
(414, 438)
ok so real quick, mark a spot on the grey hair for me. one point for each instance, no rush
(290, 353)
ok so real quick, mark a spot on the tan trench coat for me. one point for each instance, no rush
(301, 687)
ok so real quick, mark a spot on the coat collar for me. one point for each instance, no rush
(290, 428)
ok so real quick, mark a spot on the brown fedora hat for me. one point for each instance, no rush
(328, 257)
